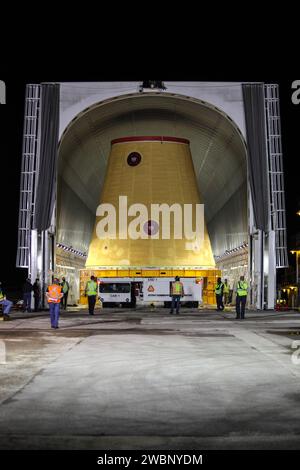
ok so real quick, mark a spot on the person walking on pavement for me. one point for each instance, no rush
(241, 298)
(226, 291)
(6, 304)
(27, 289)
(91, 293)
(219, 287)
(65, 289)
(37, 295)
(176, 293)
(54, 295)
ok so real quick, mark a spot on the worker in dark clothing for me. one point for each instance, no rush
(133, 295)
(65, 290)
(37, 295)
(27, 289)
(226, 292)
(219, 287)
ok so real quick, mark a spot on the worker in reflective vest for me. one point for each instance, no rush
(226, 291)
(6, 304)
(219, 287)
(54, 294)
(241, 298)
(91, 292)
(176, 293)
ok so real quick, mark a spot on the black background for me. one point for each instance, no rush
(11, 129)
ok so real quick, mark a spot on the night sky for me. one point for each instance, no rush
(11, 125)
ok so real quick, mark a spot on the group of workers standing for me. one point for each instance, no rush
(28, 288)
(57, 295)
(222, 290)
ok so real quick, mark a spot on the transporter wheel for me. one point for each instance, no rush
(191, 304)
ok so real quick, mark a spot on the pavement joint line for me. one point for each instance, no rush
(149, 441)
(246, 335)
(39, 371)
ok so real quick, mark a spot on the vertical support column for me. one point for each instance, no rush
(252, 293)
(256, 262)
(32, 268)
(250, 271)
(271, 300)
(43, 277)
(258, 270)
(261, 299)
(33, 258)
(46, 272)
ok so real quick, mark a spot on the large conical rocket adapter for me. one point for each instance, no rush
(145, 173)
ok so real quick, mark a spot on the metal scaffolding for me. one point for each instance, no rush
(29, 173)
(276, 177)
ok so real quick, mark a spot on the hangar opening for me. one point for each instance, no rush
(219, 159)
(221, 166)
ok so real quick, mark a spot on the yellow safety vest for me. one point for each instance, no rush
(242, 288)
(1, 296)
(218, 288)
(177, 288)
(91, 288)
(65, 287)
(226, 289)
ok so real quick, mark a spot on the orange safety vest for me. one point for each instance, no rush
(54, 292)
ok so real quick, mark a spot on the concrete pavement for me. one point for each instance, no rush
(144, 379)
